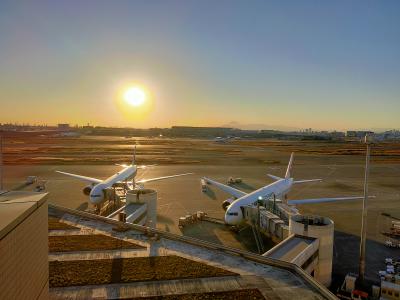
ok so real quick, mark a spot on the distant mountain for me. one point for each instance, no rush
(234, 124)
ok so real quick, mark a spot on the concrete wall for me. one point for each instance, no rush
(324, 231)
(24, 268)
(306, 254)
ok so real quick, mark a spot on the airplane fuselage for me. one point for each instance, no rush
(96, 195)
(280, 188)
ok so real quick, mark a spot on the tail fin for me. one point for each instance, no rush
(134, 156)
(289, 167)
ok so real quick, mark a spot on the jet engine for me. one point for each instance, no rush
(87, 190)
(227, 202)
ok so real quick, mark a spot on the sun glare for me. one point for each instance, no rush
(134, 101)
(134, 96)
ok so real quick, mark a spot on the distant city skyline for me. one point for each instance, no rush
(286, 64)
(234, 125)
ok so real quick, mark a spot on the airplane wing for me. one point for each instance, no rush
(322, 200)
(161, 178)
(307, 180)
(84, 178)
(139, 167)
(274, 177)
(226, 188)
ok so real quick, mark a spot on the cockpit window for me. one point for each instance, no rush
(233, 214)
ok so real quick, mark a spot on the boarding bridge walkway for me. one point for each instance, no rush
(133, 213)
(296, 249)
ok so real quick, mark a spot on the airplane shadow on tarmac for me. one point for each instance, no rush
(164, 219)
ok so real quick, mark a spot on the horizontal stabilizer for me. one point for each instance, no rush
(83, 178)
(307, 181)
(162, 178)
(138, 167)
(122, 165)
(146, 166)
(274, 177)
(323, 200)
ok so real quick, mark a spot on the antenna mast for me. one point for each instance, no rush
(361, 272)
(134, 156)
(1, 162)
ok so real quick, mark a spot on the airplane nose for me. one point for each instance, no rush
(230, 220)
(96, 200)
(227, 219)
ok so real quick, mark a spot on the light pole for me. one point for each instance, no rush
(368, 142)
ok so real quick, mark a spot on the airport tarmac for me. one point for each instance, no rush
(342, 175)
(180, 196)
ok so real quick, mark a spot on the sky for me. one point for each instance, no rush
(304, 64)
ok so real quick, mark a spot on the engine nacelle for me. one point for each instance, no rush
(87, 190)
(226, 203)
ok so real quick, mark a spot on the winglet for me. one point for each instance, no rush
(289, 167)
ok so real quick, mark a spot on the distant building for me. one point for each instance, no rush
(389, 135)
(63, 127)
(358, 134)
(201, 131)
(337, 134)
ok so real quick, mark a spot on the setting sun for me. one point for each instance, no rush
(134, 96)
(134, 100)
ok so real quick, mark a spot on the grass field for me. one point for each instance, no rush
(105, 150)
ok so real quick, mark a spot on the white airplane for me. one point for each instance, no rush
(220, 139)
(96, 189)
(280, 188)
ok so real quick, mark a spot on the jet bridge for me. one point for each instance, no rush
(310, 246)
(306, 241)
(140, 208)
(297, 249)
